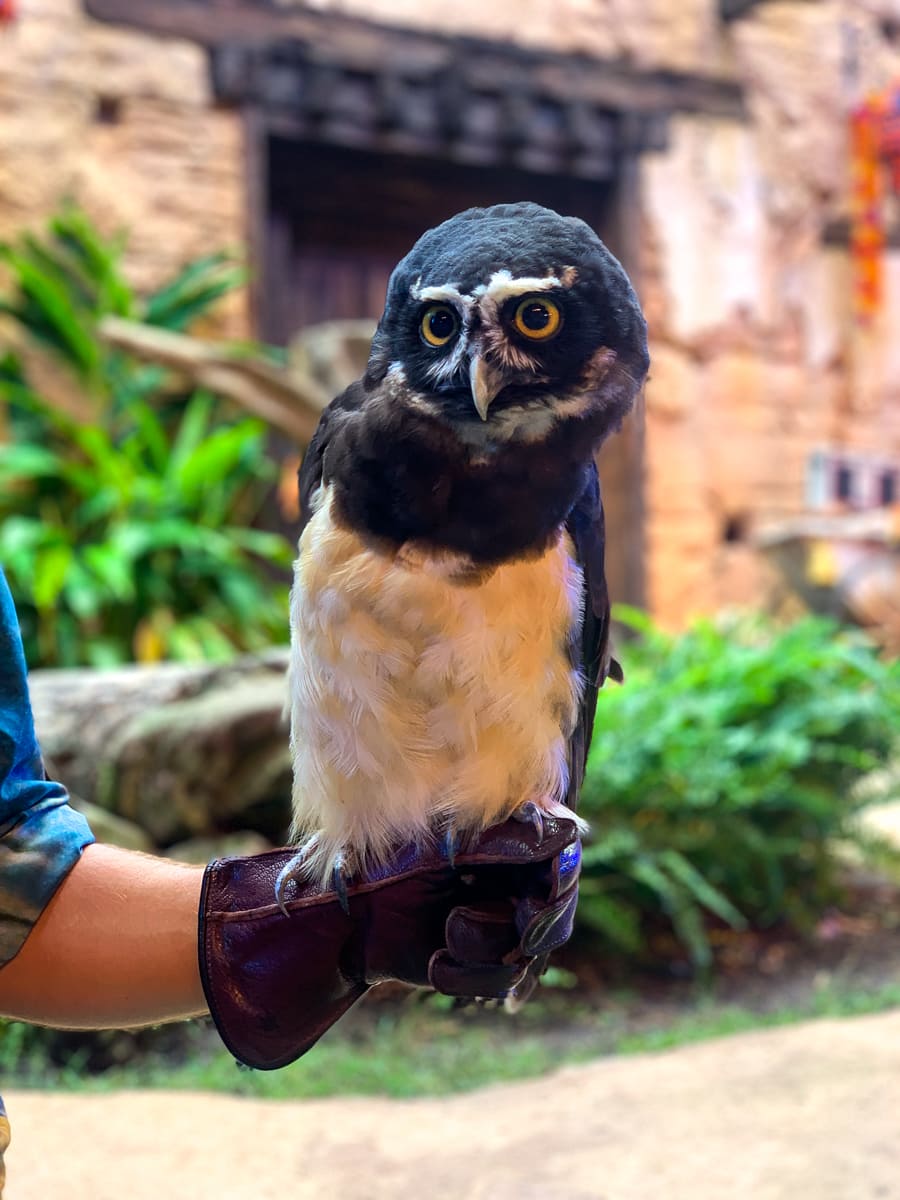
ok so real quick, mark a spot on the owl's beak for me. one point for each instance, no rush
(485, 381)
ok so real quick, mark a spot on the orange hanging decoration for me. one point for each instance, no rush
(867, 233)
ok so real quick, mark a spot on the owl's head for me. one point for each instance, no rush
(504, 320)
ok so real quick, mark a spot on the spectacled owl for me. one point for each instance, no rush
(449, 611)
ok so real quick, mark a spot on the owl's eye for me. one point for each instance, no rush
(537, 318)
(439, 324)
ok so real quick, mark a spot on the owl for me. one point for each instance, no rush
(449, 610)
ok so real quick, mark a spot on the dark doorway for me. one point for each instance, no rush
(338, 220)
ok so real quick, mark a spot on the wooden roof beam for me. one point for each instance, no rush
(248, 25)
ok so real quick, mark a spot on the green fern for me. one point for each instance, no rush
(129, 535)
(721, 778)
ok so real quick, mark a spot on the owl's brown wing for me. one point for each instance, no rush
(590, 646)
(314, 469)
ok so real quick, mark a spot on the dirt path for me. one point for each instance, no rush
(810, 1112)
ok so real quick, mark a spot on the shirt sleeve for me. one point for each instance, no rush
(41, 836)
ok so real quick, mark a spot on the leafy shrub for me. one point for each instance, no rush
(127, 535)
(721, 776)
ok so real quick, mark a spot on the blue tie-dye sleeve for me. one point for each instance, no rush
(41, 836)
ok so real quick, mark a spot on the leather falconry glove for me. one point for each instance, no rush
(276, 981)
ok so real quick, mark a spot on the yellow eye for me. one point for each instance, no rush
(537, 318)
(439, 324)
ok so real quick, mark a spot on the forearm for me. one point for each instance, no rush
(115, 948)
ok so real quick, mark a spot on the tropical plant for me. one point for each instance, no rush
(126, 507)
(722, 774)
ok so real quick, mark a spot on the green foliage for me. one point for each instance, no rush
(720, 779)
(128, 535)
(67, 281)
(415, 1050)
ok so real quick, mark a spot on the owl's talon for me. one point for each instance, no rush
(451, 843)
(339, 881)
(530, 814)
(289, 873)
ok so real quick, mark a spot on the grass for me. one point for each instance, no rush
(423, 1051)
(722, 1021)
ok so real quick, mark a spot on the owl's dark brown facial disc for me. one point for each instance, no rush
(500, 312)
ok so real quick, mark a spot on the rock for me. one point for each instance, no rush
(186, 768)
(78, 711)
(201, 850)
(180, 751)
(332, 354)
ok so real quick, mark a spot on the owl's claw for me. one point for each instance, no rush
(295, 870)
(530, 814)
(339, 881)
(288, 874)
(451, 843)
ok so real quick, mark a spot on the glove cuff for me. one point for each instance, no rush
(272, 987)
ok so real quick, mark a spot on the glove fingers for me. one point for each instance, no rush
(488, 981)
(486, 934)
(518, 842)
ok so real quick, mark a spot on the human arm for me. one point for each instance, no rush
(90, 936)
(116, 947)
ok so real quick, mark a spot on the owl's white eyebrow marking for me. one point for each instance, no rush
(446, 291)
(501, 286)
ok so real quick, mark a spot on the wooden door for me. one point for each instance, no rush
(338, 221)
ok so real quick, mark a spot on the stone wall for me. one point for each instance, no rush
(123, 124)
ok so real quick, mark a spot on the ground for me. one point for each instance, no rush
(809, 1112)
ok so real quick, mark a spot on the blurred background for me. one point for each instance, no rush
(200, 205)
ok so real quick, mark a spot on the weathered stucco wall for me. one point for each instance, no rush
(123, 124)
(650, 33)
(756, 360)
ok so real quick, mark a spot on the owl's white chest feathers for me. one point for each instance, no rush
(419, 703)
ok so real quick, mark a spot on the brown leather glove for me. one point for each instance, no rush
(479, 928)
